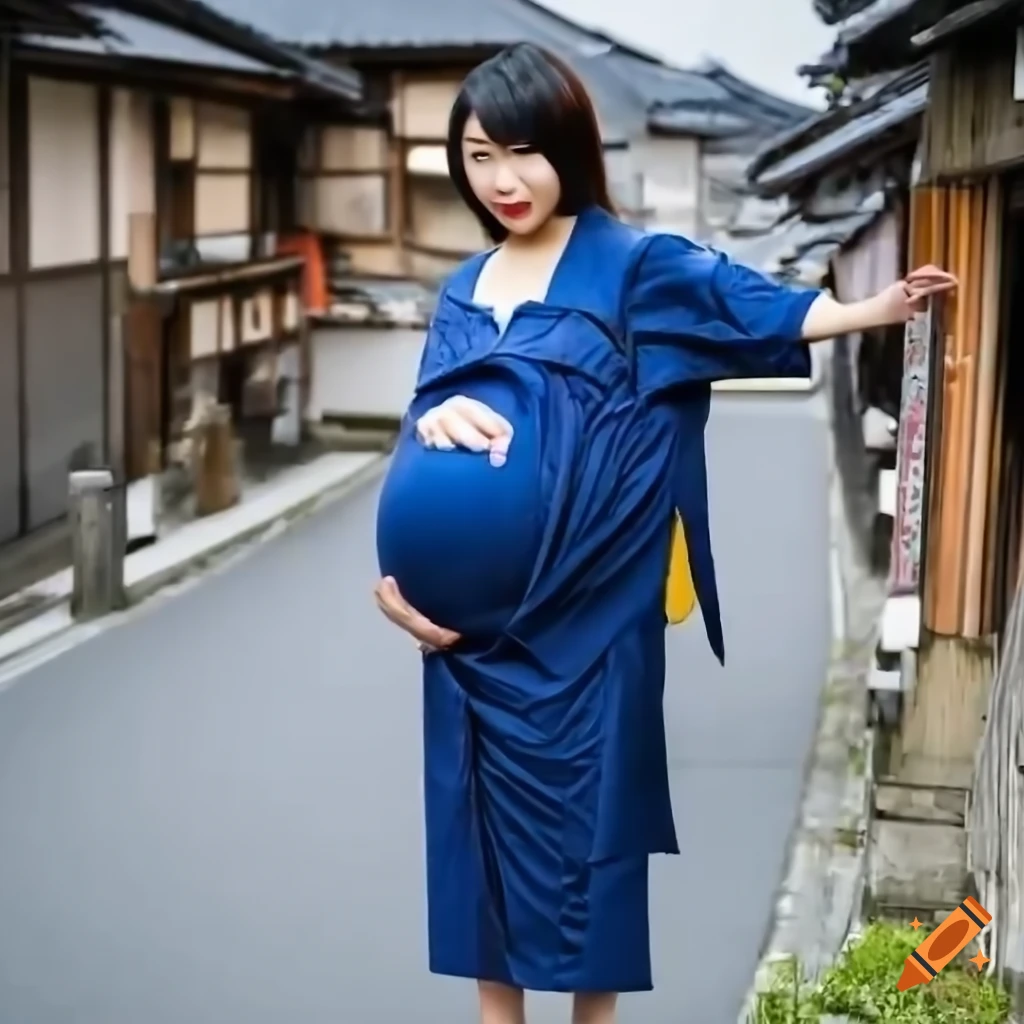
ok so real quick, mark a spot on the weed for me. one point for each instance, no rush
(862, 986)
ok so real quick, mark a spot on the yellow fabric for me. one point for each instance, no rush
(680, 597)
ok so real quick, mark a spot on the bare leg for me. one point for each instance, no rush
(594, 1008)
(500, 1004)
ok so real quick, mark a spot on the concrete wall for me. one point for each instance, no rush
(365, 371)
(671, 182)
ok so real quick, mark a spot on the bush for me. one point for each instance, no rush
(862, 986)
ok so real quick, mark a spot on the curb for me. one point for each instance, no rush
(818, 904)
(141, 589)
(149, 585)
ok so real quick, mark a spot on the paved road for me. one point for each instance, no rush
(210, 814)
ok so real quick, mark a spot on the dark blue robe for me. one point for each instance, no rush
(546, 779)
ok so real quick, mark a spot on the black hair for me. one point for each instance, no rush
(525, 95)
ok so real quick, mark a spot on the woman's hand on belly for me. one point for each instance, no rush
(429, 636)
(463, 422)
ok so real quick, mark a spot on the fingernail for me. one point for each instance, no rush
(497, 458)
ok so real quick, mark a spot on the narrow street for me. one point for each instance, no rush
(211, 813)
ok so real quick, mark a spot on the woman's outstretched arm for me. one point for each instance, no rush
(896, 304)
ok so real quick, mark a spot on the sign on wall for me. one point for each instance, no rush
(911, 492)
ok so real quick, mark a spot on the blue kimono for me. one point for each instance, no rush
(546, 778)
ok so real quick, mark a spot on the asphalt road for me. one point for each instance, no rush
(210, 814)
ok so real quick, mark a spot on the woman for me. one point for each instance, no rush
(524, 534)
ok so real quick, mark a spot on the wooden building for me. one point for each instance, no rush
(842, 179)
(969, 215)
(963, 215)
(402, 216)
(144, 185)
(958, 758)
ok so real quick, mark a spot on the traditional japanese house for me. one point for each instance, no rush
(844, 176)
(959, 732)
(147, 180)
(381, 197)
(954, 758)
(404, 215)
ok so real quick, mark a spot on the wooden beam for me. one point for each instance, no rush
(979, 510)
(969, 17)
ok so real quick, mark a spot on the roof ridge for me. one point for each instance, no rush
(593, 32)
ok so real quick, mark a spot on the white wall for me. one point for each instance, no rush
(672, 181)
(64, 200)
(367, 371)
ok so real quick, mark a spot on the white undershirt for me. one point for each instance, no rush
(503, 314)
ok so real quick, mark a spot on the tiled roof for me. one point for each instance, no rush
(251, 36)
(129, 36)
(626, 84)
(53, 17)
(879, 105)
(800, 250)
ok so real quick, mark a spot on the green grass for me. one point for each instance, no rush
(862, 986)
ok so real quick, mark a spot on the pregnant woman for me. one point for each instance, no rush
(525, 529)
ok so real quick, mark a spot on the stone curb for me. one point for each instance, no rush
(335, 491)
(139, 590)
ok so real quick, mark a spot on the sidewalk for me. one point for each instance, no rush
(818, 906)
(289, 495)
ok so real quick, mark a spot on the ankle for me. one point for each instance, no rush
(594, 1008)
(501, 1004)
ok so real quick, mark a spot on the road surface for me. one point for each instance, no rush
(210, 814)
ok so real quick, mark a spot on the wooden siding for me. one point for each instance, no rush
(962, 232)
(65, 388)
(10, 462)
(974, 125)
(996, 820)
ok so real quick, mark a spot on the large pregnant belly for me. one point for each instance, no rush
(459, 535)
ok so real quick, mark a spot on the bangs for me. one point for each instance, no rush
(517, 101)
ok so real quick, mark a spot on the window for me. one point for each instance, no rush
(422, 108)
(207, 185)
(64, 198)
(427, 160)
(344, 181)
(132, 183)
(437, 218)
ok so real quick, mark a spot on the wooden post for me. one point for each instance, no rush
(97, 543)
(944, 716)
(216, 479)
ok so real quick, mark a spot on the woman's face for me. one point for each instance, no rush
(515, 183)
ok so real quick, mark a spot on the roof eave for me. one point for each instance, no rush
(870, 149)
(785, 145)
(883, 41)
(53, 17)
(785, 142)
(203, 19)
(974, 18)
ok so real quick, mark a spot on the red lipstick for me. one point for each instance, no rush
(514, 211)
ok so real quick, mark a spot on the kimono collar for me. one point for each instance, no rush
(582, 276)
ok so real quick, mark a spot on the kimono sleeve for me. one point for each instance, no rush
(720, 319)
